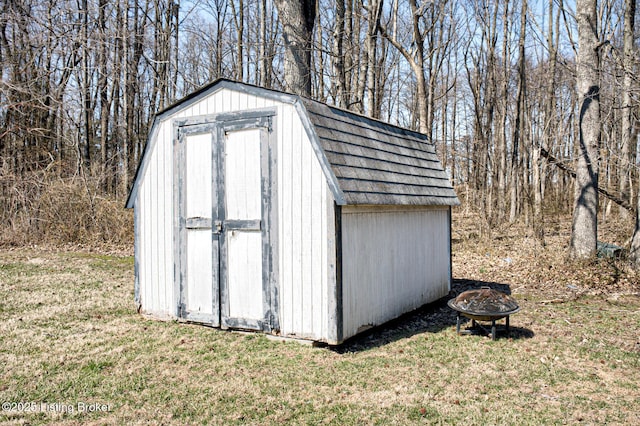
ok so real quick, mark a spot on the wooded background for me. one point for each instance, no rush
(493, 83)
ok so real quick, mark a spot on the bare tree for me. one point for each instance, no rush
(238, 16)
(627, 125)
(298, 19)
(481, 59)
(584, 229)
(340, 85)
(520, 125)
(415, 57)
(374, 11)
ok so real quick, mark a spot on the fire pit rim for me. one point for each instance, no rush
(481, 316)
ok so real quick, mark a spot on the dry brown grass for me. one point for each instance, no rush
(70, 334)
(41, 208)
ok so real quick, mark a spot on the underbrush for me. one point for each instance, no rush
(511, 255)
(41, 208)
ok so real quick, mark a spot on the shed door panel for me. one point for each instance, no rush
(199, 292)
(244, 266)
(224, 244)
(199, 171)
(243, 280)
(242, 175)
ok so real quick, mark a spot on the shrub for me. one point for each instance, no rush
(42, 207)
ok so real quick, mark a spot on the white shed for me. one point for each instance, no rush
(261, 210)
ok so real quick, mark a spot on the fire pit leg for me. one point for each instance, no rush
(458, 324)
(493, 329)
(507, 327)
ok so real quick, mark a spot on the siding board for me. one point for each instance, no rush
(296, 222)
(167, 261)
(162, 206)
(394, 261)
(153, 234)
(306, 240)
(315, 248)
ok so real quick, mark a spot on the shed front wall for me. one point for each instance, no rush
(394, 260)
(306, 258)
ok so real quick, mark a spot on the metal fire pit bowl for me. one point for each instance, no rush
(484, 304)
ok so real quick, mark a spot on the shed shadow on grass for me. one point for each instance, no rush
(431, 318)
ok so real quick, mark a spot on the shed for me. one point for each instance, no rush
(262, 210)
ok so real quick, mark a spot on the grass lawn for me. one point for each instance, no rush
(73, 351)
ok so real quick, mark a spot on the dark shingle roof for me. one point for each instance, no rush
(376, 163)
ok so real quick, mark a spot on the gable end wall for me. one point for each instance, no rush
(304, 206)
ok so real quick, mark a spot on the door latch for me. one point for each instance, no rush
(218, 226)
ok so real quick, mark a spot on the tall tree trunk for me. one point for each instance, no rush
(627, 92)
(263, 65)
(340, 84)
(318, 83)
(103, 94)
(375, 10)
(239, 20)
(454, 135)
(415, 58)
(584, 229)
(519, 128)
(116, 133)
(298, 19)
(501, 133)
(86, 89)
(123, 133)
(629, 27)
(220, 10)
(349, 50)
(550, 129)
(175, 31)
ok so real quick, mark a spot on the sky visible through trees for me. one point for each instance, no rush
(493, 83)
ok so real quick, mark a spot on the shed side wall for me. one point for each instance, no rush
(393, 262)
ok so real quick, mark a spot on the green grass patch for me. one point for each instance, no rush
(70, 335)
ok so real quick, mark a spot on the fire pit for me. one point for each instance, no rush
(484, 304)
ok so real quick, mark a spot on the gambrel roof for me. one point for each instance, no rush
(377, 163)
(366, 161)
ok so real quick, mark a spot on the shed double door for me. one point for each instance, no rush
(224, 215)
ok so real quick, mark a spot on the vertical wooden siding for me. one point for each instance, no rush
(158, 294)
(304, 201)
(155, 262)
(304, 206)
(393, 261)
